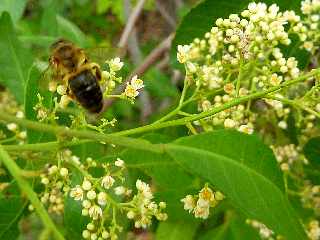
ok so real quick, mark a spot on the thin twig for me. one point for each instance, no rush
(165, 14)
(130, 24)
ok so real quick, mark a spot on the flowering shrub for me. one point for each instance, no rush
(243, 165)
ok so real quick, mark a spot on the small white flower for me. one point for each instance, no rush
(115, 64)
(90, 226)
(91, 195)
(183, 52)
(75, 159)
(62, 90)
(202, 203)
(131, 214)
(64, 101)
(136, 83)
(86, 204)
(105, 235)
(22, 135)
(86, 185)
(20, 114)
(86, 234)
(130, 91)
(53, 169)
(246, 129)
(206, 194)
(76, 193)
(229, 123)
(201, 212)
(120, 190)
(45, 181)
(95, 212)
(107, 182)
(282, 124)
(102, 198)
(119, 162)
(64, 172)
(12, 127)
(189, 203)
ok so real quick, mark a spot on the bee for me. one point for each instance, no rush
(71, 66)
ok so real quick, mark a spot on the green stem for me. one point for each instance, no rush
(235, 102)
(15, 171)
(48, 146)
(295, 104)
(64, 131)
(116, 138)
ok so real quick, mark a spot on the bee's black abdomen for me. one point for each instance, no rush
(86, 89)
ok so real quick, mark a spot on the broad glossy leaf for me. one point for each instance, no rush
(31, 99)
(15, 60)
(245, 170)
(176, 230)
(70, 31)
(14, 7)
(11, 209)
(312, 151)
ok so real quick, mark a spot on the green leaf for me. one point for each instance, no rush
(31, 99)
(312, 151)
(11, 208)
(202, 17)
(245, 170)
(14, 7)
(70, 31)
(233, 228)
(15, 60)
(103, 6)
(49, 24)
(176, 230)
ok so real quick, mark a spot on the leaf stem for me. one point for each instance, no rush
(15, 171)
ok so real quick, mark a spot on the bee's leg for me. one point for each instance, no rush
(95, 68)
(69, 93)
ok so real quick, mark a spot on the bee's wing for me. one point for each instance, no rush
(100, 55)
(46, 75)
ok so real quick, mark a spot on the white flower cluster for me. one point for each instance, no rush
(287, 155)
(110, 77)
(235, 41)
(97, 201)
(313, 230)
(308, 29)
(142, 208)
(200, 204)
(14, 128)
(56, 181)
(264, 231)
(310, 197)
(242, 54)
